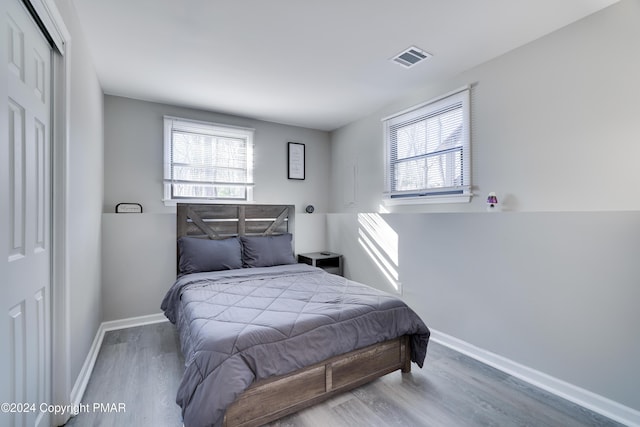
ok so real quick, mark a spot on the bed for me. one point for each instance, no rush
(264, 336)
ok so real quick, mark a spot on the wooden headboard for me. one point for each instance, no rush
(220, 221)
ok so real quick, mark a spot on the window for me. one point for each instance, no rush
(207, 161)
(428, 152)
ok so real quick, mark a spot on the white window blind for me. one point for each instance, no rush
(207, 161)
(428, 150)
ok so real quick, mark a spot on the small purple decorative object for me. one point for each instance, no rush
(492, 200)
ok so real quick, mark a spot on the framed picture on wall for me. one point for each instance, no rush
(296, 160)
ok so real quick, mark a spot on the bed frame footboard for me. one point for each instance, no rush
(274, 398)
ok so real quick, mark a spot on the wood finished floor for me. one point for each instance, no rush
(142, 366)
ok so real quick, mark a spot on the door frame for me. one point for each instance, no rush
(48, 17)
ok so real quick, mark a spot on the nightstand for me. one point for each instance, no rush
(328, 261)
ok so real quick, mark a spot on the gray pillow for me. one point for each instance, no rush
(266, 251)
(200, 255)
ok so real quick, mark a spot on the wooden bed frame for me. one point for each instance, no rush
(273, 398)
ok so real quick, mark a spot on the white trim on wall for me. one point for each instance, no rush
(82, 381)
(61, 317)
(596, 403)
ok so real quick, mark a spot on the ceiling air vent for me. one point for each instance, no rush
(411, 56)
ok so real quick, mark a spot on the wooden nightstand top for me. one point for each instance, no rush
(320, 255)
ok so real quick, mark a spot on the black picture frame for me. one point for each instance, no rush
(296, 160)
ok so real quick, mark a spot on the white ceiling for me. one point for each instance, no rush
(319, 64)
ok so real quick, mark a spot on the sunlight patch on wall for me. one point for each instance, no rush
(380, 242)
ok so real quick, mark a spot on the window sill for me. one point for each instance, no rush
(428, 200)
(174, 202)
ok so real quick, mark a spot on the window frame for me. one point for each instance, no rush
(452, 194)
(205, 128)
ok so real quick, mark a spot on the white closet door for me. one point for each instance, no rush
(25, 218)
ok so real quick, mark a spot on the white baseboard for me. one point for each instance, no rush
(80, 385)
(113, 325)
(596, 403)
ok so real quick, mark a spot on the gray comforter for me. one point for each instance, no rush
(239, 326)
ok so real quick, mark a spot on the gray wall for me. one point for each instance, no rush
(551, 283)
(84, 194)
(554, 124)
(139, 250)
(554, 291)
(134, 156)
